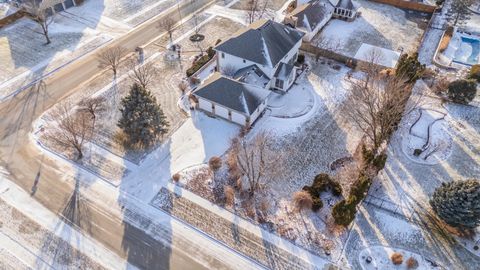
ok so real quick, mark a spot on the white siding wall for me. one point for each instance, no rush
(221, 111)
(259, 110)
(238, 118)
(204, 104)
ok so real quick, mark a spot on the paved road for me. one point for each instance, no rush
(27, 165)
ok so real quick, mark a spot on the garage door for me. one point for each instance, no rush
(58, 7)
(68, 3)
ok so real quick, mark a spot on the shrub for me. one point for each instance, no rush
(321, 182)
(317, 204)
(412, 263)
(210, 52)
(397, 258)
(360, 188)
(302, 199)
(344, 212)
(215, 163)
(379, 161)
(301, 58)
(475, 73)
(410, 68)
(367, 155)
(462, 91)
(176, 177)
(336, 188)
(199, 63)
(229, 195)
(218, 42)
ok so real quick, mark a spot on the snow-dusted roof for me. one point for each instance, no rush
(383, 57)
(264, 42)
(232, 94)
(252, 75)
(312, 14)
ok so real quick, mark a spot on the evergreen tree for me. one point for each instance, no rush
(410, 68)
(142, 118)
(458, 203)
(462, 91)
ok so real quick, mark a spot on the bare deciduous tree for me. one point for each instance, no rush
(255, 160)
(377, 104)
(143, 74)
(229, 70)
(168, 25)
(328, 44)
(183, 86)
(39, 15)
(93, 106)
(256, 9)
(459, 10)
(111, 57)
(72, 128)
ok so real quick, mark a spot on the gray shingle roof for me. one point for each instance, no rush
(345, 4)
(237, 96)
(264, 42)
(311, 14)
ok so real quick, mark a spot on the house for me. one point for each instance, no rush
(310, 17)
(344, 9)
(265, 44)
(51, 6)
(232, 100)
(255, 60)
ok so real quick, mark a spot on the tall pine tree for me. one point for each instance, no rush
(142, 118)
(458, 203)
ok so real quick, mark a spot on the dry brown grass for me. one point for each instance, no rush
(229, 195)
(397, 258)
(215, 163)
(302, 200)
(412, 263)
(176, 177)
(446, 39)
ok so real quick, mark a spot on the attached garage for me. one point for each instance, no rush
(232, 100)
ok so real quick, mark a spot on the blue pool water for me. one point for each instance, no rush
(473, 58)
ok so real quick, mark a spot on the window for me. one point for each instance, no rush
(244, 61)
(223, 55)
(279, 83)
(229, 115)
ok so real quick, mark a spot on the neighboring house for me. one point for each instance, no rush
(52, 6)
(344, 9)
(310, 16)
(235, 101)
(253, 61)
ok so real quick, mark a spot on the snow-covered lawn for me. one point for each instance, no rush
(25, 56)
(379, 25)
(307, 126)
(381, 259)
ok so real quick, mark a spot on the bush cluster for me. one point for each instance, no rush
(322, 182)
(370, 159)
(462, 91)
(475, 73)
(200, 62)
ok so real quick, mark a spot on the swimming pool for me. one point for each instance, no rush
(468, 52)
